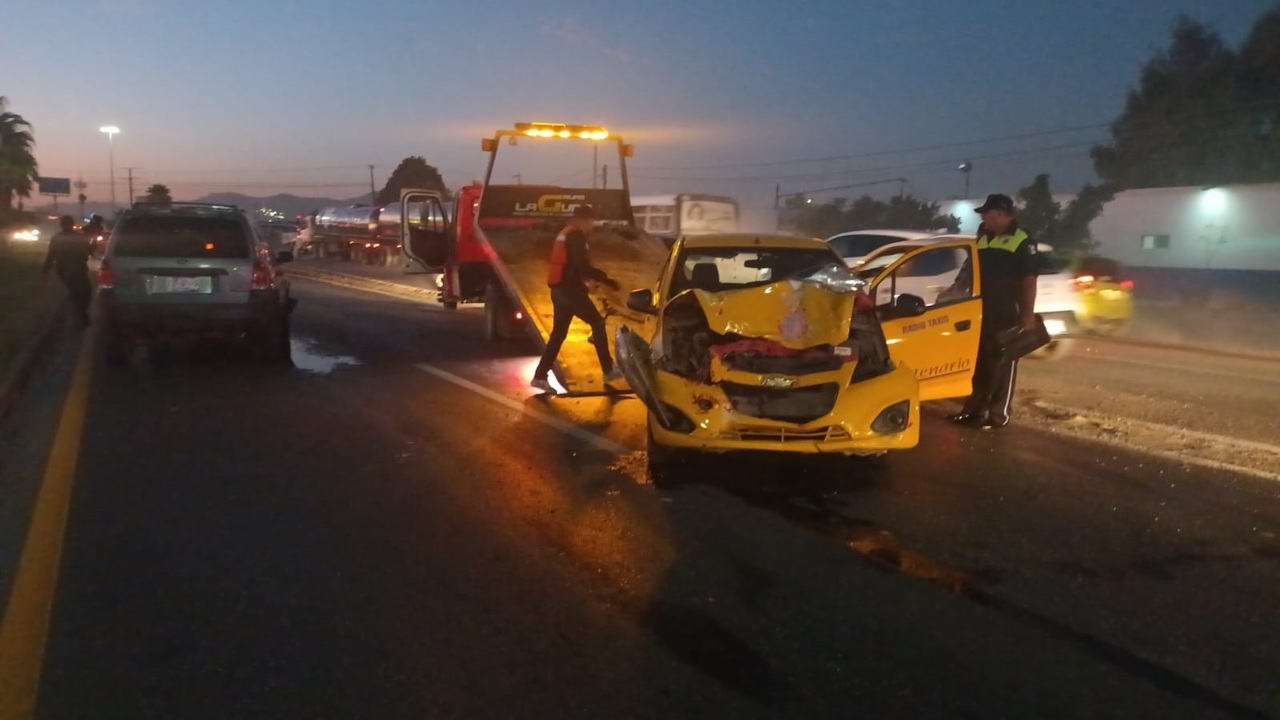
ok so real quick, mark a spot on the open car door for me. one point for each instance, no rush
(425, 228)
(929, 302)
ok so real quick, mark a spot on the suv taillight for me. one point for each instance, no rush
(106, 276)
(261, 278)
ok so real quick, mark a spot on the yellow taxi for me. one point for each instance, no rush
(770, 342)
(1106, 297)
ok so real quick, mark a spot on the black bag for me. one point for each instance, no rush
(1015, 342)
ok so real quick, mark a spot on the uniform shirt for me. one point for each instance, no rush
(69, 251)
(1004, 263)
(578, 267)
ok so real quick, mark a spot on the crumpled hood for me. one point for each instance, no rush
(795, 313)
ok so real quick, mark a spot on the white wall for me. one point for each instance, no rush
(1233, 227)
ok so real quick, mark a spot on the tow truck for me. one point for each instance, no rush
(497, 247)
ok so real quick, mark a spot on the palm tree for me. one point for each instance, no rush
(18, 168)
(159, 194)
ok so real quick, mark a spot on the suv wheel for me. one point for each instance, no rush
(271, 343)
(119, 348)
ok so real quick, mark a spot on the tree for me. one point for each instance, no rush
(18, 169)
(839, 215)
(1201, 113)
(1065, 228)
(159, 194)
(412, 172)
(1039, 213)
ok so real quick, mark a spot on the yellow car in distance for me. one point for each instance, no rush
(1106, 295)
(770, 342)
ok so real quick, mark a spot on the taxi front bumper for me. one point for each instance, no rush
(868, 417)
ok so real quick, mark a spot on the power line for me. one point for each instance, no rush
(1230, 109)
(861, 171)
(883, 153)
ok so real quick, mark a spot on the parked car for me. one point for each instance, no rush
(1057, 298)
(183, 271)
(854, 246)
(772, 343)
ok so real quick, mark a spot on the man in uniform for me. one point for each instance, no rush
(570, 268)
(69, 251)
(1006, 258)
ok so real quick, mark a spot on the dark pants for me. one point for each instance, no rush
(993, 378)
(570, 302)
(78, 288)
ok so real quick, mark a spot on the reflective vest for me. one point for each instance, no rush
(559, 258)
(1010, 241)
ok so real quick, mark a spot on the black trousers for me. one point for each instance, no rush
(993, 379)
(571, 302)
(80, 291)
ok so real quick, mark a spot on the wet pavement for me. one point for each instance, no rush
(366, 535)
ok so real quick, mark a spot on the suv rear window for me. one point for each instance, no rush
(181, 236)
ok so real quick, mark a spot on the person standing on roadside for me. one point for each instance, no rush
(69, 251)
(569, 269)
(1006, 262)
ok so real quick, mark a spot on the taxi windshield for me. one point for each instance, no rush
(723, 269)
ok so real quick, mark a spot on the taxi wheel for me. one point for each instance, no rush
(1112, 327)
(668, 466)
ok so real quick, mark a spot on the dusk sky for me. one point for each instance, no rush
(717, 96)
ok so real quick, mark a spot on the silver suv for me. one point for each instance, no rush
(181, 271)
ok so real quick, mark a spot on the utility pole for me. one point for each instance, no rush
(373, 190)
(519, 178)
(777, 195)
(80, 185)
(132, 197)
(604, 176)
(595, 164)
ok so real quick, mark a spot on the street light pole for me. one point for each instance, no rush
(111, 131)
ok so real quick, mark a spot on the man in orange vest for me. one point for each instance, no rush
(570, 268)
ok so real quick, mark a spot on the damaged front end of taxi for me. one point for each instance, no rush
(796, 365)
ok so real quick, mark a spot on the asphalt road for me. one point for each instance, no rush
(395, 528)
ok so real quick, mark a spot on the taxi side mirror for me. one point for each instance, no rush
(906, 305)
(642, 301)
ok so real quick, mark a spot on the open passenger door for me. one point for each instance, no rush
(425, 228)
(929, 302)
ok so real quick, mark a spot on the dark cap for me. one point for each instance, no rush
(584, 211)
(996, 202)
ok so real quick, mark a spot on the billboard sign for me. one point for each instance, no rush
(54, 186)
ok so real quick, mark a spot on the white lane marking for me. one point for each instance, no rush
(1183, 368)
(547, 419)
(1227, 445)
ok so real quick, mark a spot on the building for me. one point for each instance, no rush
(1228, 227)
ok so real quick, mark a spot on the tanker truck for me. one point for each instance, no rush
(360, 233)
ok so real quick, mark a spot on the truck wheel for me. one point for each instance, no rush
(496, 309)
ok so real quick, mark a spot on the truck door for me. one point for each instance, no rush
(424, 228)
(930, 307)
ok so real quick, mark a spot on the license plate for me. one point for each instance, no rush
(1055, 327)
(182, 284)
